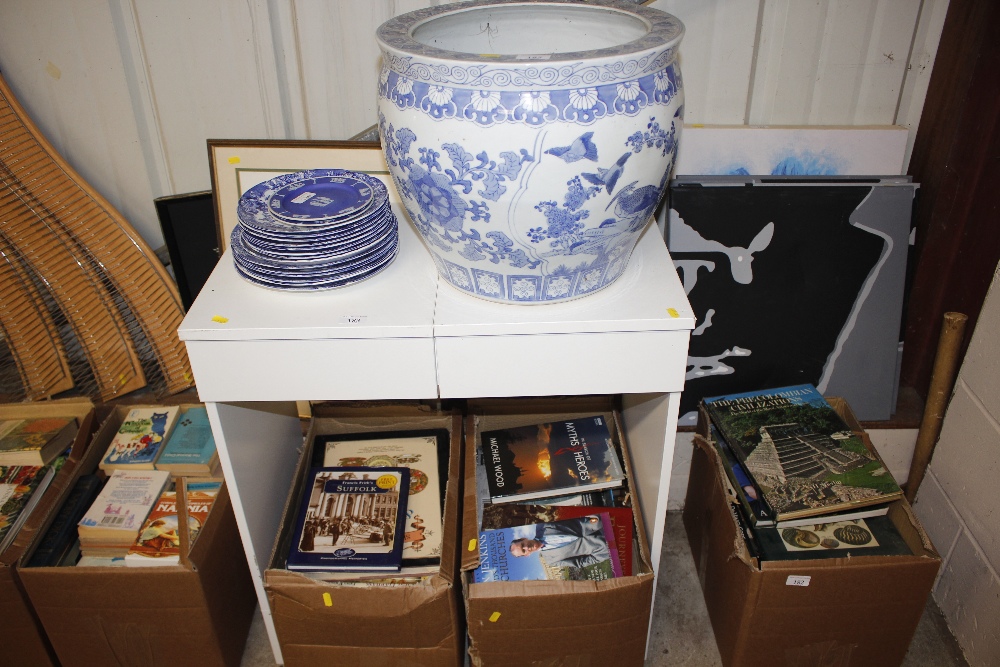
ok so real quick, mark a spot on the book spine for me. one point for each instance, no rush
(62, 532)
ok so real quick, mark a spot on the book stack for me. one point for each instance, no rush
(109, 527)
(21, 488)
(35, 442)
(806, 485)
(551, 505)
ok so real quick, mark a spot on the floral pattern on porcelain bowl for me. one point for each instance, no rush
(530, 176)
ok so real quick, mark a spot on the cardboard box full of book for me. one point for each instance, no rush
(412, 620)
(29, 645)
(198, 611)
(840, 611)
(553, 621)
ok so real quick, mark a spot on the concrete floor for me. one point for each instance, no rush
(682, 633)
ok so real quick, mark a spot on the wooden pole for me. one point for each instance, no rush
(942, 383)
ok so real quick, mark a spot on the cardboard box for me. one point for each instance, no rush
(836, 612)
(552, 622)
(197, 613)
(319, 623)
(28, 644)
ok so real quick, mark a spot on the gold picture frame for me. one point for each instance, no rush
(237, 165)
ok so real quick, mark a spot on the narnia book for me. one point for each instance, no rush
(21, 487)
(420, 453)
(140, 439)
(507, 515)
(572, 549)
(159, 541)
(35, 442)
(351, 518)
(802, 456)
(190, 447)
(555, 458)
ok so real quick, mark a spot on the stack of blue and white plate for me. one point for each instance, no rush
(314, 230)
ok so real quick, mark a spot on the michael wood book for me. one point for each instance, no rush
(572, 549)
(507, 515)
(35, 442)
(802, 456)
(554, 458)
(140, 439)
(351, 518)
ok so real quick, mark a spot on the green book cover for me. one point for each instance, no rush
(804, 458)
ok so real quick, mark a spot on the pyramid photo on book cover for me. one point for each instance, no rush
(804, 458)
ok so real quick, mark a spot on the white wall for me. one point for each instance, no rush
(958, 501)
(129, 90)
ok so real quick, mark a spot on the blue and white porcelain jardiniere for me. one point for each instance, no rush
(530, 141)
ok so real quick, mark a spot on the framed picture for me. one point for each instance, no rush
(238, 165)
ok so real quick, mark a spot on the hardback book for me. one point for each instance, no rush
(21, 488)
(571, 549)
(423, 530)
(140, 439)
(190, 448)
(351, 518)
(159, 540)
(35, 442)
(110, 525)
(746, 490)
(876, 536)
(507, 515)
(550, 459)
(802, 456)
(62, 535)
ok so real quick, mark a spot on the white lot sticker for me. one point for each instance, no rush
(353, 319)
(797, 580)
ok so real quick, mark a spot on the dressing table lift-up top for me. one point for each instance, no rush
(404, 334)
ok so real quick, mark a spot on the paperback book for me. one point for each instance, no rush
(112, 522)
(801, 455)
(420, 453)
(876, 536)
(35, 442)
(508, 515)
(140, 438)
(190, 447)
(572, 549)
(351, 518)
(21, 488)
(555, 458)
(159, 540)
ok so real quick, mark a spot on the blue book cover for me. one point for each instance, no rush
(191, 442)
(351, 518)
(572, 549)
